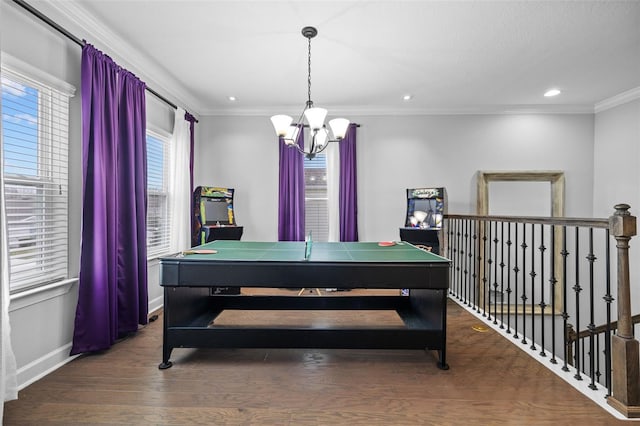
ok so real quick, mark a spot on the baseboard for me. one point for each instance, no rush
(55, 359)
(44, 365)
(156, 304)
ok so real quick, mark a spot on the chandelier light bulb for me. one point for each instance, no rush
(315, 117)
(339, 127)
(281, 124)
(321, 137)
(292, 135)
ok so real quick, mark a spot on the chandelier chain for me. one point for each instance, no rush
(309, 102)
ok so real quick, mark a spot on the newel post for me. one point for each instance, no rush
(625, 359)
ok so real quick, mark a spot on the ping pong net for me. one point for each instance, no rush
(308, 242)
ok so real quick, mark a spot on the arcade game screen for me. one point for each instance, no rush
(216, 211)
(425, 207)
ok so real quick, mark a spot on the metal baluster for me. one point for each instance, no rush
(465, 278)
(495, 274)
(488, 281)
(542, 303)
(598, 373)
(553, 281)
(592, 326)
(582, 343)
(608, 299)
(481, 261)
(515, 283)
(533, 293)
(458, 256)
(452, 224)
(508, 290)
(565, 315)
(524, 283)
(502, 275)
(470, 255)
(471, 264)
(476, 245)
(455, 259)
(577, 289)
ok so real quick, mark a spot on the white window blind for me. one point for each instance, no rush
(35, 143)
(158, 231)
(316, 215)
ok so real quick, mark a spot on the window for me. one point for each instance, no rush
(158, 233)
(315, 195)
(35, 140)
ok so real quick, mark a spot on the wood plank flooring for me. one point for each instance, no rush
(491, 382)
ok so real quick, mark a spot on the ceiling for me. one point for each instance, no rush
(451, 56)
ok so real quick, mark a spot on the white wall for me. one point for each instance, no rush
(616, 168)
(42, 323)
(241, 153)
(395, 153)
(617, 173)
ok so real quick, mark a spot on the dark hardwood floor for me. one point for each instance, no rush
(491, 382)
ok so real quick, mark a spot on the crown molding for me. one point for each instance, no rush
(352, 111)
(85, 26)
(620, 99)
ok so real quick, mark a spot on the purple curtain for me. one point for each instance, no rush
(112, 297)
(348, 192)
(291, 193)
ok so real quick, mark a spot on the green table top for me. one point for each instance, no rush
(294, 251)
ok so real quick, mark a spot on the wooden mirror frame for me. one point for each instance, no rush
(556, 179)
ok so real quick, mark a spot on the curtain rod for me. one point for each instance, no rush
(76, 40)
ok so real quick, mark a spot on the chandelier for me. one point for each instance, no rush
(319, 134)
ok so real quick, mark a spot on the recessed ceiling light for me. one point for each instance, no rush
(407, 97)
(232, 98)
(552, 92)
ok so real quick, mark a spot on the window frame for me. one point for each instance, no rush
(155, 251)
(49, 186)
(319, 230)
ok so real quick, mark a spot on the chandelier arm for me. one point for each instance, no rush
(322, 148)
(300, 122)
(312, 148)
(300, 150)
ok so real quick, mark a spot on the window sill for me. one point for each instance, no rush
(37, 295)
(153, 259)
(40, 294)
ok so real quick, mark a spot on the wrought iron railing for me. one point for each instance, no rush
(549, 283)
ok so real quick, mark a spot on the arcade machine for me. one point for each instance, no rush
(214, 219)
(423, 225)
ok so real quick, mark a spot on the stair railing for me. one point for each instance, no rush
(540, 278)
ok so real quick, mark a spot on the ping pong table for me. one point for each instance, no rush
(190, 308)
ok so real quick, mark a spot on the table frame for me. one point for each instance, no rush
(190, 308)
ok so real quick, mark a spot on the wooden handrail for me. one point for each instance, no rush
(558, 221)
(572, 336)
